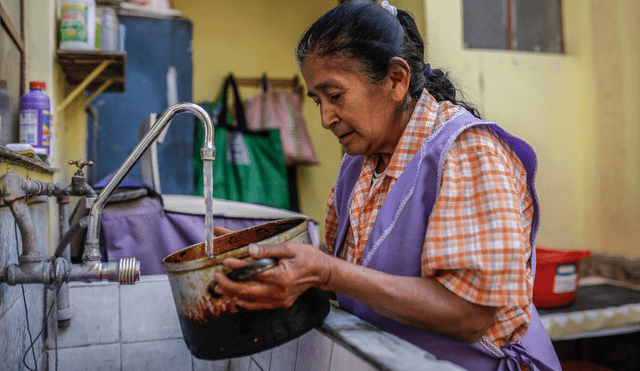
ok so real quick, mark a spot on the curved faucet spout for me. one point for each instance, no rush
(207, 152)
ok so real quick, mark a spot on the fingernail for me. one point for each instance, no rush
(253, 248)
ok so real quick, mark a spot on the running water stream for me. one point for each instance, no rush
(207, 174)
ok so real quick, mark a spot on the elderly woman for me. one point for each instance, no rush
(432, 221)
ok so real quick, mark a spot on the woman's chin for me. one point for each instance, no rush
(351, 151)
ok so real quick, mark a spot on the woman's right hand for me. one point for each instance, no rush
(300, 266)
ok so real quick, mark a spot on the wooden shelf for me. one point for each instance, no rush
(77, 65)
(15, 158)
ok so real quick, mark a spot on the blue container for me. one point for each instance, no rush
(35, 119)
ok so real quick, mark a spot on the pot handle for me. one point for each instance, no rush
(252, 269)
(246, 272)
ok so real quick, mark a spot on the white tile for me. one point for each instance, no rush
(204, 365)
(314, 352)
(263, 359)
(163, 355)
(342, 359)
(283, 357)
(148, 312)
(95, 358)
(95, 317)
(240, 364)
(254, 366)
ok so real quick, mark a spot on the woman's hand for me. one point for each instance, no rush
(219, 231)
(300, 266)
(417, 301)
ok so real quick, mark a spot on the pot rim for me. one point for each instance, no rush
(239, 252)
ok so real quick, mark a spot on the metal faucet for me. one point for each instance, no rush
(207, 152)
(33, 267)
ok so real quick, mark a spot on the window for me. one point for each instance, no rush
(527, 25)
(11, 68)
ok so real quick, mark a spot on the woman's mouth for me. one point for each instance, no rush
(344, 137)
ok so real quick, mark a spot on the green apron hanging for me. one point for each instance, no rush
(249, 164)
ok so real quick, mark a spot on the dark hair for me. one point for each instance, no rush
(369, 35)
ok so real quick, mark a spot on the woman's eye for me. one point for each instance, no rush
(335, 97)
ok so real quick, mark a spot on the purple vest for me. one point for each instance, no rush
(402, 224)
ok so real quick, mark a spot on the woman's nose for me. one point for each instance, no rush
(328, 116)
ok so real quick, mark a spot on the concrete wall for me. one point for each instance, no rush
(15, 338)
(39, 31)
(579, 110)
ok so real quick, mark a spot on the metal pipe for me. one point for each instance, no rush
(207, 152)
(63, 308)
(13, 186)
(33, 267)
(22, 216)
(29, 272)
(126, 271)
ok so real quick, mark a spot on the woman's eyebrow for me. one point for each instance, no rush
(323, 86)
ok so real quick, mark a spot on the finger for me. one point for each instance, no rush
(219, 231)
(235, 263)
(243, 290)
(280, 251)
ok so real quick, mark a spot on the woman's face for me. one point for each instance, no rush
(363, 116)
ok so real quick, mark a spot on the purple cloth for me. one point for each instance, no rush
(140, 228)
(396, 241)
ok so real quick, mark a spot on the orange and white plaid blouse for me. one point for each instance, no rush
(477, 242)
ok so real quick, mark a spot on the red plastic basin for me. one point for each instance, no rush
(557, 274)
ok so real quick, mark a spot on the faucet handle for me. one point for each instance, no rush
(80, 164)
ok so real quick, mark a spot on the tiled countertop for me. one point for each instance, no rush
(384, 350)
(137, 328)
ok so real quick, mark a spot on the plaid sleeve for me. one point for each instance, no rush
(331, 222)
(477, 242)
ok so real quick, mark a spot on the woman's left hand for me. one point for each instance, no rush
(300, 266)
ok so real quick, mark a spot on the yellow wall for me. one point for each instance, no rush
(579, 110)
(249, 38)
(39, 36)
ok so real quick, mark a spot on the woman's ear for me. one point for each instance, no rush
(400, 77)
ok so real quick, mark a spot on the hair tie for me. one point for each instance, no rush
(427, 69)
(392, 9)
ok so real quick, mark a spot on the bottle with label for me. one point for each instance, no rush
(35, 119)
(78, 24)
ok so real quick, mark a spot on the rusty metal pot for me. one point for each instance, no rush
(213, 327)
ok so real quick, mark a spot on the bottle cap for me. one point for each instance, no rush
(38, 84)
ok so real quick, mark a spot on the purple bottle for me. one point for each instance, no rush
(35, 120)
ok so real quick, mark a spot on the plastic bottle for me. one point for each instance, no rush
(110, 29)
(78, 24)
(35, 119)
